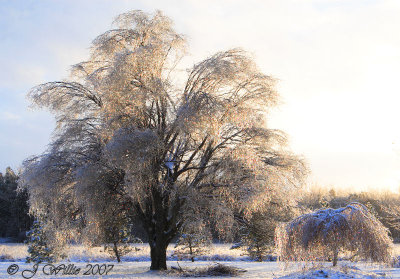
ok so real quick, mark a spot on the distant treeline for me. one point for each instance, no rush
(14, 218)
(384, 205)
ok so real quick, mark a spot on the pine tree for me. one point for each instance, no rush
(258, 230)
(257, 235)
(14, 218)
(193, 241)
(38, 249)
(120, 238)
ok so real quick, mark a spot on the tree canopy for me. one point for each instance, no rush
(129, 141)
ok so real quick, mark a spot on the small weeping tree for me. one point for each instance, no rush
(325, 233)
(128, 135)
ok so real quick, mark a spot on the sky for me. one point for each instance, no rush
(337, 62)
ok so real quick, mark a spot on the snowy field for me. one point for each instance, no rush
(136, 265)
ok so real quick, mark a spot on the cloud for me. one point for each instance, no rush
(9, 116)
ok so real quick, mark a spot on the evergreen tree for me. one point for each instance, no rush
(4, 207)
(38, 249)
(257, 235)
(119, 237)
(14, 218)
(257, 231)
(193, 241)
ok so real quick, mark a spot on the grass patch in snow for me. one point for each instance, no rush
(208, 271)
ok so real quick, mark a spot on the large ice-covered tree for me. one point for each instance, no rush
(128, 139)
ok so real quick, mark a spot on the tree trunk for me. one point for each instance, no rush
(259, 254)
(191, 251)
(335, 256)
(115, 248)
(158, 253)
(161, 224)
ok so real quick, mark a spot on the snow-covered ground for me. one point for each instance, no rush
(254, 270)
(79, 253)
(136, 265)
